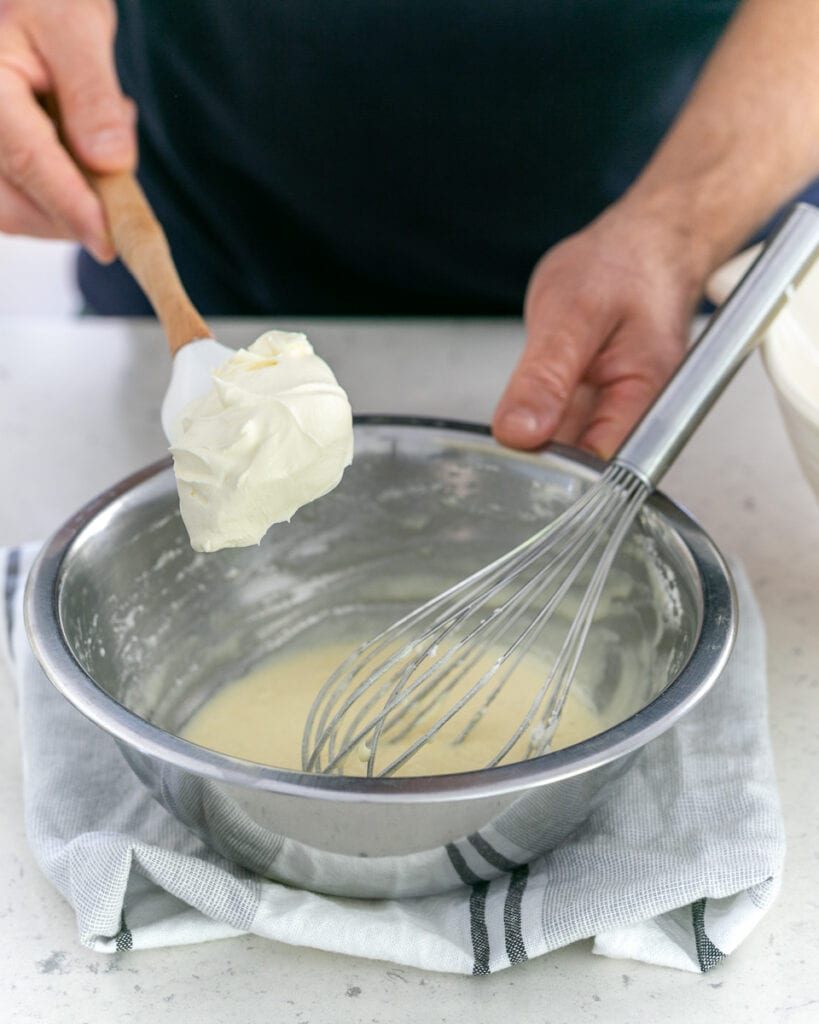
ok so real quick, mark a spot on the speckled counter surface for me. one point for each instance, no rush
(79, 408)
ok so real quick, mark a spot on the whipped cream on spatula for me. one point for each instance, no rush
(271, 433)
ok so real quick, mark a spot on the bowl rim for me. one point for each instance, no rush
(711, 650)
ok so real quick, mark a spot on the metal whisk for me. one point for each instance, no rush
(438, 665)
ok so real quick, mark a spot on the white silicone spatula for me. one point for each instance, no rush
(142, 246)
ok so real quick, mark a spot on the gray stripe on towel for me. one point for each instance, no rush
(465, 872)
(10, 592)
(477, 924)
(491, 855)
(708, 954)
(512, 928)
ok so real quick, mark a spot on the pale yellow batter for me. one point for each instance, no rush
(261, 717)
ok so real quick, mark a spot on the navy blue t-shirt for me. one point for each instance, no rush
(390, 156)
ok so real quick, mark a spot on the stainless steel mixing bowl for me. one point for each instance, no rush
(137, 631)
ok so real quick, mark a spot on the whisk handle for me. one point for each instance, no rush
(732, 334)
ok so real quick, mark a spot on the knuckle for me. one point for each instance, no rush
(638, 389)
(20, 162)
(14, 225)
(664, 356)
(590, 295)
(664, 368)
(54, 13)
(561, 339)
(14, 219)
(104, 9)
(8, 11)
(554, 359)
(607, 423)
(96, 103)
(9, 224)
(550, 376)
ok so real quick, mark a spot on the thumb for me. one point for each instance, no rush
(98, 119)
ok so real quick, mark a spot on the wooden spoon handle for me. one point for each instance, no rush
(142, 246)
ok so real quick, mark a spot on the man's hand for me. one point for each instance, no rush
(64, 47)
(607, 313)
(607, 310)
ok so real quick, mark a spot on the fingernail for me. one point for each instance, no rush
(604, 453)
(111, 142)
(101, 253)
(521, 421)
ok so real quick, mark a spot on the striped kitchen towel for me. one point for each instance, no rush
(676, 868)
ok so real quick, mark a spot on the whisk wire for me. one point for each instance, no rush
(559, 668)
(518, 603)
(526, 639)
(382, 691)
(402, 693)
(592, 598)
(321, 722)
(572, 649)
(531, 591)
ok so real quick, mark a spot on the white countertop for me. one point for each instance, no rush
(79, 408)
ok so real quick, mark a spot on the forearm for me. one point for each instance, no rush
(748, 137)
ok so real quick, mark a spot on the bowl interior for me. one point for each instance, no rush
(161, 628)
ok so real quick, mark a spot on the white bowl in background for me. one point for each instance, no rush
(790, 352)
